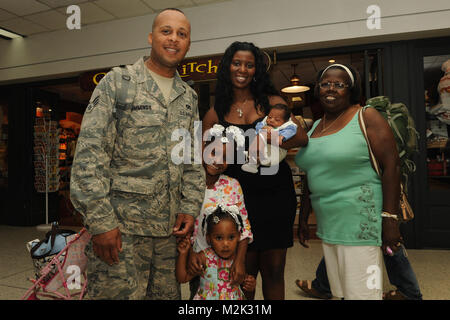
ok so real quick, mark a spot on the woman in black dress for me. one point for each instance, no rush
(244, 93)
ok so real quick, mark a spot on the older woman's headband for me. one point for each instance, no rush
(343, 67)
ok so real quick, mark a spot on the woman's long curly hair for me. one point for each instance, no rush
(261, 86)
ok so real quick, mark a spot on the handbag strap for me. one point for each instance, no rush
(364, 130)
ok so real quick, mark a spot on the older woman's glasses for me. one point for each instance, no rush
(336, 85)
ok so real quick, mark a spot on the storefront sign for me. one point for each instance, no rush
(195, 69)
(199, 69)
(89, 80)
(202, 69)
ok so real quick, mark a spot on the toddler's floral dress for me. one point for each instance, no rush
(215, 283)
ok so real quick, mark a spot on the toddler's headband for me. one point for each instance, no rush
(233, 210)
(343, 67)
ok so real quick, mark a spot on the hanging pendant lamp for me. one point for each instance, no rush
(295, 86)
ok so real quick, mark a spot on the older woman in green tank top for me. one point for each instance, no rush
(347, 195)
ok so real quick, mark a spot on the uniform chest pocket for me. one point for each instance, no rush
(139, 118)
(182, 118)
(140, 134)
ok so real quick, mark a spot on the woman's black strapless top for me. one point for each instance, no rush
(269, 199)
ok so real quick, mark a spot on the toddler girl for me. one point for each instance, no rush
(222, 225)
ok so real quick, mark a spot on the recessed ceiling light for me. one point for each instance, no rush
(7, 34)
(331, 61)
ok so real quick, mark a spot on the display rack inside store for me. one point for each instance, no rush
(46, 144)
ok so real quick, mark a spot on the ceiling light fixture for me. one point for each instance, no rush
(295, 86)
(331, 61)
(7, 34)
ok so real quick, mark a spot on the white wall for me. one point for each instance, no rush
(285, 24)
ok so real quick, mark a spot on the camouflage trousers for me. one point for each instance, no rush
(146, 271)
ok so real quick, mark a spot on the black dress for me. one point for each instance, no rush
(269, 199)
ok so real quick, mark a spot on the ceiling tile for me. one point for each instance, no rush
(124, 9)
(23, 7)
(4, 15)
(161, 4)
(61, 3)
(90, 13)
(200, 2)
(52, 20)
(22, 26)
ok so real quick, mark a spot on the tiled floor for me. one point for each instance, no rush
(432, 267)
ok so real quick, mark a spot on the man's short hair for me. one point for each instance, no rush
(165, 9)
(173, 9)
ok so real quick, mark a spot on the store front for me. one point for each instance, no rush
(3, 151)
(35, 151)
(432, 99)
(400, 70)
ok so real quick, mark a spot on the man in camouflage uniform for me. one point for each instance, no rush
(134, 199)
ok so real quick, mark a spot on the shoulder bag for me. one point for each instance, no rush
(406, 212)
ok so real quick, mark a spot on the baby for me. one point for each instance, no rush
(279, 121)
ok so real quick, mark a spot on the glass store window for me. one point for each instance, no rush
(3, 145)
(437, 103)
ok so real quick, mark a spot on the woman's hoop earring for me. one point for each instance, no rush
(254, 79)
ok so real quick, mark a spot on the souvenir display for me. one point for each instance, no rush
(45, 155)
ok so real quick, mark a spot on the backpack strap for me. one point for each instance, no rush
(394, 127)
(124, 91)
(411, 166)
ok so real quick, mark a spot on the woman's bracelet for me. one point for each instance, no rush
(385, 214)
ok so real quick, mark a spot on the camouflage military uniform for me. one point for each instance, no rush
(123, 176)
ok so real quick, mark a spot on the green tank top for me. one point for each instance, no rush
(346, 192)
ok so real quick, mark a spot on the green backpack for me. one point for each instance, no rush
(405, 133)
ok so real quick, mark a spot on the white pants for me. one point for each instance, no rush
(354, 272)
